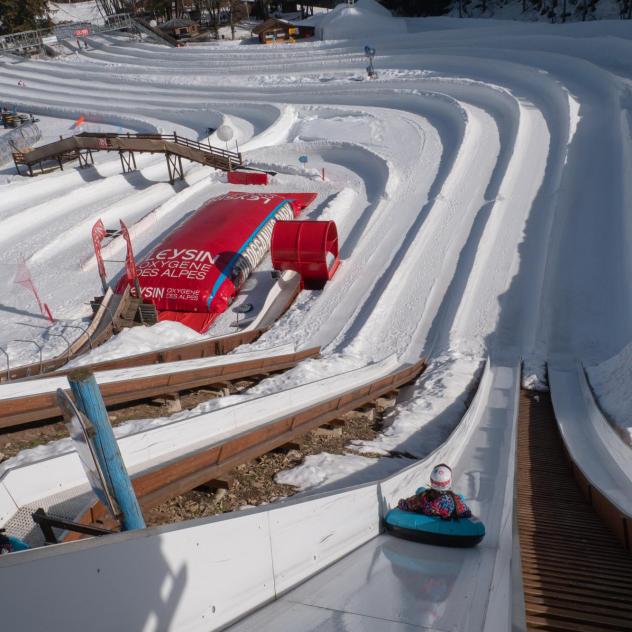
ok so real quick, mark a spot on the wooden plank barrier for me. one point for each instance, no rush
(187, 472)
(20, 410)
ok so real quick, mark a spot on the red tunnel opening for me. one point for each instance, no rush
(307, 247)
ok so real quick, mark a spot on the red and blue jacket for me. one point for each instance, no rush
(445, 505)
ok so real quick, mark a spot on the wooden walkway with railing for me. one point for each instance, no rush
(81, 146)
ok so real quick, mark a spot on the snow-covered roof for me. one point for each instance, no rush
(269, 24)
(364, 18)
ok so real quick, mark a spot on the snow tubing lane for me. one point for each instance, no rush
(197, 271)
(466, 532)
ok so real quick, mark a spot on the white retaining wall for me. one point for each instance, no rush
(204, 574)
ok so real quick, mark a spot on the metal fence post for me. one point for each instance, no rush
(80, 328)
(66, 341)
(39, 348)
(90, 402)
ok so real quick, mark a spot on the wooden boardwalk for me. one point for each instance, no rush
(576, 575)
(174, 147)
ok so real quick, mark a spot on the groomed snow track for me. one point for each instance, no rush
(482, 182)
(504, 433)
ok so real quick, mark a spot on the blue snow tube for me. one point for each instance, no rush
(11, 544)
(433, 530)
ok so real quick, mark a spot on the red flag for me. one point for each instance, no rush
(23, 278)
(98, 233)
(130, 264)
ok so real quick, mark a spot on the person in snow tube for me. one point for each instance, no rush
(439, 500)
(11, 544)
(436, 515)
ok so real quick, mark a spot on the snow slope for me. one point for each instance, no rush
(480, 186)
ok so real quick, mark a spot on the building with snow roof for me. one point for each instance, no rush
(275, 30)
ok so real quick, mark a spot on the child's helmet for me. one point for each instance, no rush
(441, 478)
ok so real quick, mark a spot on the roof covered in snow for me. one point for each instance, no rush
(362, 19)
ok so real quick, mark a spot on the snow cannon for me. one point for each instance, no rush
(465, 532)
(307, 247)
(195, 273)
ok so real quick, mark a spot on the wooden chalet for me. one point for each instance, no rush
(274, 31)
(180, 28)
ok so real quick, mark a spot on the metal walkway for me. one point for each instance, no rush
(174, 147)
(26, 40)
(576, 575)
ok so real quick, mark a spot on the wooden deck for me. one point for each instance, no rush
(576, 574)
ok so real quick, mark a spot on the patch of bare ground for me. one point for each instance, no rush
(253, 484)
(13, 440)
(250, 483)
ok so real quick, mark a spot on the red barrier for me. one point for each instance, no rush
(247, 177)
(307, 247)
(196, 272)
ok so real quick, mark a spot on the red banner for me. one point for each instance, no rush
(24, 279)
(130, 263)
(82, 32)
(98, 233)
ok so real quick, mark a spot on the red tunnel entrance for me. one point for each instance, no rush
(307, 247)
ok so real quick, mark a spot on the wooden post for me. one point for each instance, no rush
(90, 402)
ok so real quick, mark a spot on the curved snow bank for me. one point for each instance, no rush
(612, 384)
(429, 414)
(365, 17)
(592, 444)
(140, 340)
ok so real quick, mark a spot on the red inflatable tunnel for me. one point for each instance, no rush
(308, 247)
(194, 274)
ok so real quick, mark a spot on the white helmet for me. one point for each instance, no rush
(441, 478)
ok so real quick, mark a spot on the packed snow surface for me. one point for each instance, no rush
(611, 382)
(480, 185)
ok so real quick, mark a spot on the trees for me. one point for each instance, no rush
(416, 8)
(224, 12)
(22, 15)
